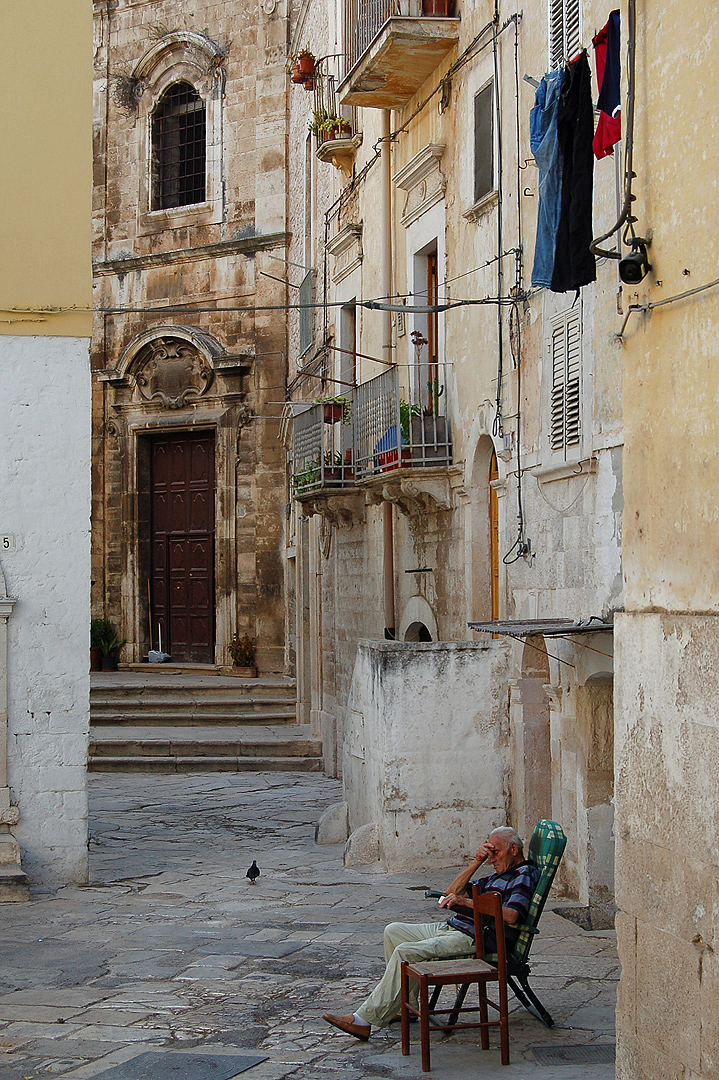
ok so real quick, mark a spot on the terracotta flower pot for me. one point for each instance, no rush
(306, 65)
(297, 76)
(95, 660)
(333, 410)
(245, 672)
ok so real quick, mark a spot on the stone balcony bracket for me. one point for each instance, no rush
(340, 152)
(398, 62)
(343, 508)
(413, 491)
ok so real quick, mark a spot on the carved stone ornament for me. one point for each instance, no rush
(346, 249)
(422, 180)
(172, 373)
(342, 510)
(415, 495)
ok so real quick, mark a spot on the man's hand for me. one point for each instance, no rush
(451, 899)
(484, 852)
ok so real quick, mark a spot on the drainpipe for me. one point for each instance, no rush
(386, 291)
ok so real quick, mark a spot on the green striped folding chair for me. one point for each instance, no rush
(545, 850)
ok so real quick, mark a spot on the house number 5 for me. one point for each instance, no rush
(7, 542)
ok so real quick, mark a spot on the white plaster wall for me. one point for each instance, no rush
(426, 748)
(45, 504)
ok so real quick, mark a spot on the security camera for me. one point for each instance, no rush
(634, 267)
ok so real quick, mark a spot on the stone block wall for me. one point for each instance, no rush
(45, 483)
(426, 749)
(666, 761)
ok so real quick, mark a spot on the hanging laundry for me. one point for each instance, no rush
(606, 55)
(547, 155)
(574, 264)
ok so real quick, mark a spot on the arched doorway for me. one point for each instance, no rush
(417, 631)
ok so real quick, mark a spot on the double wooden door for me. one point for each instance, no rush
(182, 476)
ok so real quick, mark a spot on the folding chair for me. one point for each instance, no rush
(463, 973)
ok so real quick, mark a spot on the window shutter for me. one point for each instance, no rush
(565, 30)
(565, 403)
(483, 142)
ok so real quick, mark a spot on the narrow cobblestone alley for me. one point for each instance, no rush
(170, 949)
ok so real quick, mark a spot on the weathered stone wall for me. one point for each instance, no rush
(45, 482)
(223, 257)
(426, 748)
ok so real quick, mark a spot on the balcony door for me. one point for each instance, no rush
(182, 484)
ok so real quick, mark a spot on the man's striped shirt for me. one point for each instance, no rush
(517, 889)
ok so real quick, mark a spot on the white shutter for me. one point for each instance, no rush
(565, 396)
(565, 31)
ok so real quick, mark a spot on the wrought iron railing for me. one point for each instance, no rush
(363, 20)
(340, 121)
(400, 420)
(322, 449)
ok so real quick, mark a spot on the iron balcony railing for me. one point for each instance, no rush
(322, 449)
(400, 420)
(332, 121)
(363, 20)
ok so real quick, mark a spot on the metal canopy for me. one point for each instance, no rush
(547, 627)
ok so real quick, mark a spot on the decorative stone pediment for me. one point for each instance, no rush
(346, 249)
(172, 373)
(422, 180)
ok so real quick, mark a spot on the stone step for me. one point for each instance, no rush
(206, 763)
(186, 748)
(111, 715)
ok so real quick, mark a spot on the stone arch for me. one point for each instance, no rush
(206, 345)
(417, 613)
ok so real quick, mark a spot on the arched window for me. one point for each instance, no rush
(178, 148)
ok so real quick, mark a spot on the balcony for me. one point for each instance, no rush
(402, 437)
(334, 125)
(322, 466)
(393, 46)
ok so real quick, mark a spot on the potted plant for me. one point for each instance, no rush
(306, 477)
(333, 467)
(108, 643)
(345, 128)
(306, 62)
(336, 407)
(331, 126)
(96, 629)
(242, 652)
(317, 122)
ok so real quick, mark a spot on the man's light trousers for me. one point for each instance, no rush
(414, 942)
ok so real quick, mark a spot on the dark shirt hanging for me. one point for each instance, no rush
(574, 264)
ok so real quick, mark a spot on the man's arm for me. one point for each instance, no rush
(458, 888)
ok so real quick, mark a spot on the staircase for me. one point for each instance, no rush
(159, 720)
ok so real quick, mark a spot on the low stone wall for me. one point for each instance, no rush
(426, 748)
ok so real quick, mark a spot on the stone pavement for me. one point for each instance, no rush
(171, 949)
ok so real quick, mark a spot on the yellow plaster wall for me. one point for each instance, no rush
(45, 167)
(671, 369)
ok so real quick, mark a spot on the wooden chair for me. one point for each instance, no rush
(463, 973)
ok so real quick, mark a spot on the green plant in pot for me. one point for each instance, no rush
(103, 636)
(242, 652)
(405, 412)
(317, 122)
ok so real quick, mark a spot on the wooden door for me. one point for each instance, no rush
(494, 538)
(182, 476)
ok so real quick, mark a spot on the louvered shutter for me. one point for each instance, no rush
(565, 30)
(565, 397)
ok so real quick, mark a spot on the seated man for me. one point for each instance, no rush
(513, 877)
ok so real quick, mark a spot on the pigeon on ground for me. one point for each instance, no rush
(254, 872)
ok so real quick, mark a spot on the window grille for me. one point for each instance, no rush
(179, 148)
(484, 142)
(565, 31)
(306, 312)
(566, 362)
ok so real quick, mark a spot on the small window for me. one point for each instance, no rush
(565, 366)
(306, 292)
(565, 32)
(179, 148)
(483, 143)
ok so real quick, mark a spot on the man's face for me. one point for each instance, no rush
(502, 855)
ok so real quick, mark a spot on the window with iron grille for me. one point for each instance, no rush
(178, 148)
(565, 31)
(565, 349)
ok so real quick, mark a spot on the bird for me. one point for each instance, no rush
(253, 873)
